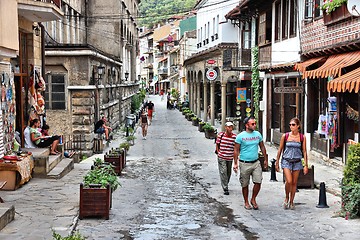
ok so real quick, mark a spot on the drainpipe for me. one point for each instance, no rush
(42, 32)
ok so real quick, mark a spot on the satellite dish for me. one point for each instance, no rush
(353, 7)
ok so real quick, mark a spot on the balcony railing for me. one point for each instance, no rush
(163, 71)
(55, 2)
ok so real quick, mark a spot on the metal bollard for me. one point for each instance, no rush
(322, 196)
(273, 171)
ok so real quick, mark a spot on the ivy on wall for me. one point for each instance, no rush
(255, 81)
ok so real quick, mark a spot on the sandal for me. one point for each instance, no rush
(247, 207)
(292, 207)
(255, 206)
(285, 205)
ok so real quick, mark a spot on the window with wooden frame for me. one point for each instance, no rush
(293, 18)
(285, 20)
(277, 20)
(55, 91)
(262, 29)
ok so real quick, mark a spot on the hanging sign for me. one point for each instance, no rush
(211, 74)
(240, 94)
(288, 90)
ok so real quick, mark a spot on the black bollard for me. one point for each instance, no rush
(322, 197)
(273, 171)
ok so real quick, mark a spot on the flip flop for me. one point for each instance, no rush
(247, 207)
(255, 206)
(53, 153)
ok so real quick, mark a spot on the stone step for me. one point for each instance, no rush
(7, 214)
(53, 161)
(61, 169)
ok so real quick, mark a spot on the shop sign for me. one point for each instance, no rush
(288, 90)
(211, 61)
(241, 94)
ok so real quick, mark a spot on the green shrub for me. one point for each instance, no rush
(75, 236)
(208, 127)
(350, 187)
(125, 145)
(130, 138)
(103, 175)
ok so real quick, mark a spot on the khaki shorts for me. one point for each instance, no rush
(250, 169)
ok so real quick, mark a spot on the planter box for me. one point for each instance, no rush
(305, 181)
(262, 159)
(94, 201)
(210, 134)
(339, 14)
(200, 127)
(195, 122)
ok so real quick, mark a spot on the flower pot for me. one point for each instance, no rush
(94, 201)
(195, 122)
(337, 15)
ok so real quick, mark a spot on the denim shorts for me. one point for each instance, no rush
(100, 130)
(293, 166)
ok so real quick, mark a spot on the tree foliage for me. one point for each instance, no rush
(155, 11)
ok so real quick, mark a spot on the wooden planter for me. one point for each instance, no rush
(94, 201)
(195, 122)
(114, 160)
(337, 15)
(210, 134)
(200, 127)
(262, 159)
(305, 181)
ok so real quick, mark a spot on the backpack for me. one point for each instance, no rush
(301, 141)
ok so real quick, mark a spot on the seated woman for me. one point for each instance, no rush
(43, 141)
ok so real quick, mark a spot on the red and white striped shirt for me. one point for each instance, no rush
(226, 146)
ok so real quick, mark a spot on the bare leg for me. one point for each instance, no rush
(256, 190)
(288, 183)
(245, 192)
(295, 176)
(107, 133)
(54, 146)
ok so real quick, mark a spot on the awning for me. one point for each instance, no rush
(163, 59)
(165, 80)
(301, 67)
(347, 82)
(333, 65)
(173, 77)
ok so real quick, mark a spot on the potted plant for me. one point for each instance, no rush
(185, 111)
(200, 126)
(125, 145)
(195, 121)
(210, 132)
(131, 139)
(334, 11)
(95, 192)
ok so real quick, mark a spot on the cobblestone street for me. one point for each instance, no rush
(171, 190)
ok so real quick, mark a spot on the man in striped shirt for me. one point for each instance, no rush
(225, 142)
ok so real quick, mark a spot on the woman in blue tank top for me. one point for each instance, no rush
(293, 149)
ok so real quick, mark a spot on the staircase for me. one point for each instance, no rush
(50, 166)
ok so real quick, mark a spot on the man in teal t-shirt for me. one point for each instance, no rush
(247, 145)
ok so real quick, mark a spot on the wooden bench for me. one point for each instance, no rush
(2, 184)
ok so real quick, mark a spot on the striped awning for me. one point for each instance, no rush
(348, 82)
(301, 67)
(333, 65)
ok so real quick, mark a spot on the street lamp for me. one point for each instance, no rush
(126, 75)
(100, 72)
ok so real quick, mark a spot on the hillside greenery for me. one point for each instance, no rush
(155, 11)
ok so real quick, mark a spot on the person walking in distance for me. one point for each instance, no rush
(293, 149)
(150, 109)
(225, 152)
(247, 146)
(144, 123)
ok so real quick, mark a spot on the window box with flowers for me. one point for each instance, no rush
(334, 11)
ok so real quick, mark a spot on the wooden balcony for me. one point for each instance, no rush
(40, 10)
(265, 55)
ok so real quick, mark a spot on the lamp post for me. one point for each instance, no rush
(126, 75)
(100, 72)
